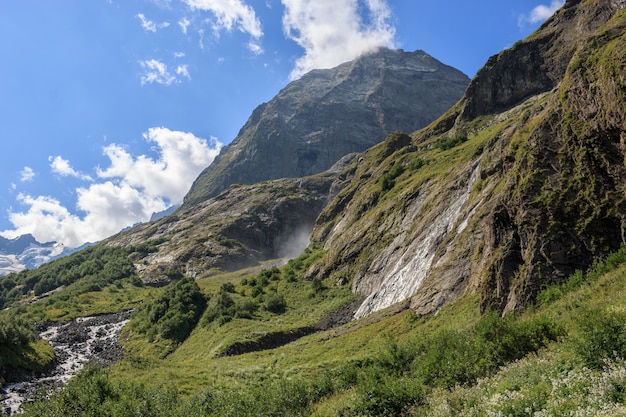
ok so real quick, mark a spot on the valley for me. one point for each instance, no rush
(474, 265)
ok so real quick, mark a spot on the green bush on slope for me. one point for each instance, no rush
(19, 347)
(174, 314)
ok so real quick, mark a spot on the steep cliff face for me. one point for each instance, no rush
(515, 187)
(565, 203)
(316, 120)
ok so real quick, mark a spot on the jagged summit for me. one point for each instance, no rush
(326, 114)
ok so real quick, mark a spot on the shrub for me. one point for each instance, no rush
(417, 164)
(381, 394)
(450, 142)
(450, 358)
(387, 181)
(601, 336)
(15, 331)
(275, 303)
(227, 287)
(174, 314)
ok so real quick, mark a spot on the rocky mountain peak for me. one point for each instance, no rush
(327, 114)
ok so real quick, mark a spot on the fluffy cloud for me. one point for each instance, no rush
(182, 157)
(155, 71)
(229, 15)
(27, 174)
(128, 191)
(541, 13)
(63, 168)
(335, 31)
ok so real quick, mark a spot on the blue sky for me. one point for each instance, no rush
(109, 109)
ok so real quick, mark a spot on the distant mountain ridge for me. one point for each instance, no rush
(25, 252)
(314, 121)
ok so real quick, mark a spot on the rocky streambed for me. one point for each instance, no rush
(76, 343)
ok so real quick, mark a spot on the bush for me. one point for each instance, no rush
(387, 181)
(15, 331)
(416, 164)
(601, 336)
(450, 358)
(379, 394)
(450, 142)
(174, 314)
(227, 287)
(275, 303)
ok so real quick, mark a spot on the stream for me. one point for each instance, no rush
(76, 343)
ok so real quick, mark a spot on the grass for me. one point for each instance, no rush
(455, 362)
(63, 306)
(194, 366)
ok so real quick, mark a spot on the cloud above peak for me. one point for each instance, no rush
(334, 31)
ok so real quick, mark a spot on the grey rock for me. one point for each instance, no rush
(326, 114)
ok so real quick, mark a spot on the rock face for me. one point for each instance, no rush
(515, 187)
(326, 114)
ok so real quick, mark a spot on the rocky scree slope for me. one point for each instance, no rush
(517, 186)
(327, 114)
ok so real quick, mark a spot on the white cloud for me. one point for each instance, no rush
(129, 190)
(63, 168)
(182, 157)
(184, 24)
(540, 13)
(156, 71)
(150, 26)
(335, 31)
(182, 71)
(27, 174)
(255, 48)
(230, 14)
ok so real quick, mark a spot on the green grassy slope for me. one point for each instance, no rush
(550, 358)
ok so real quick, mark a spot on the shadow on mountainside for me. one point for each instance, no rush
(339, 317)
